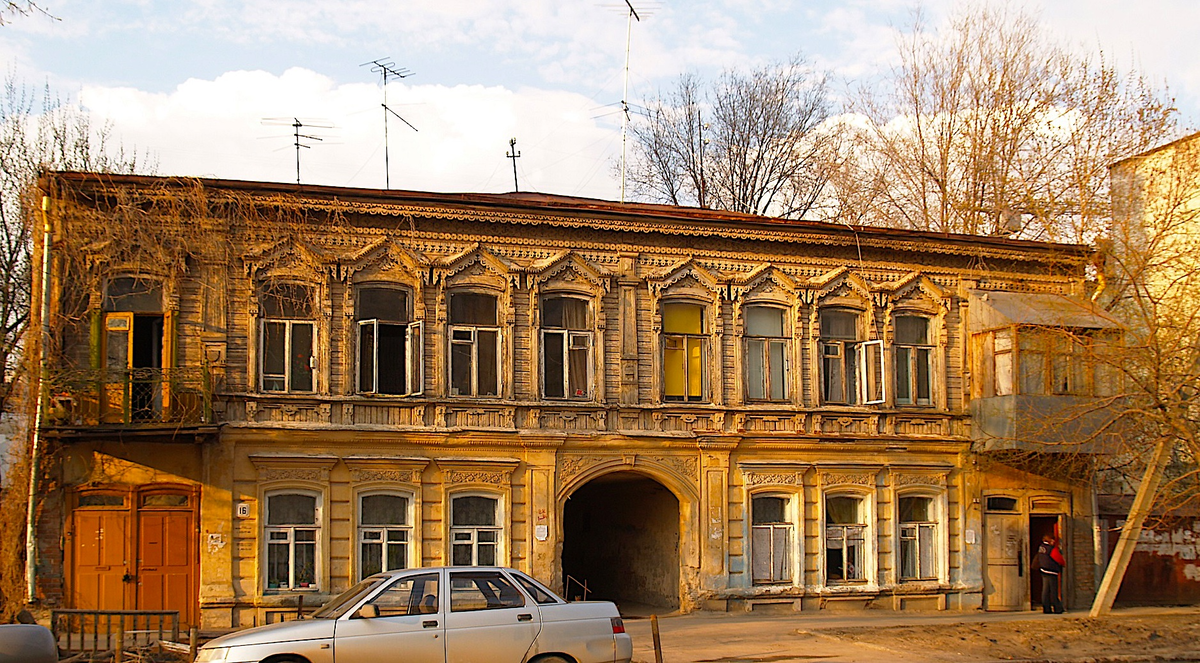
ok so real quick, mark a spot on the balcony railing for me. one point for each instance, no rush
(146, 396)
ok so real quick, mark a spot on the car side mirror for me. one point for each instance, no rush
(368, 611)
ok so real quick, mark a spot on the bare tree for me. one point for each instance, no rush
(749, 142)
(13, 8)
(990, 126)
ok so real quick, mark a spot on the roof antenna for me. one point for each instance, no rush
(297, 137)
(514, 155)
(634, 15)
(388, 69)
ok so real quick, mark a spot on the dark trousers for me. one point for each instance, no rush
(1050, 600)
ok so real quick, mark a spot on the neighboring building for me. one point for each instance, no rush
(265, 391)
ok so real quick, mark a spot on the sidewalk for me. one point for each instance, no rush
(943, 636)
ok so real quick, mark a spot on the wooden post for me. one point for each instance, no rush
(300, 606)
(119, 652)
(193, 634)
(657, 639)
(1132, 530)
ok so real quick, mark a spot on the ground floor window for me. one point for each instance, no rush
(845, 539)
(474, 531)
(771, 539)
(292, 533)
(918, 536)
(384, 533)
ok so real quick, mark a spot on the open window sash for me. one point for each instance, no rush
(118, 355)
(371, 360)
(872, 388)
(415, 358)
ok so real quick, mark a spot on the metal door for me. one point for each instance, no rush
(1005, 583)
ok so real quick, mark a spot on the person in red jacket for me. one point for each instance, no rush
(1050, 562)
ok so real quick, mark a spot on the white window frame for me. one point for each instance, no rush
(866, 569)
(470, 534)
(872, 384)
(933, 531)
(705, 355)
(772, 529)
(767, 342)
(288, 325)
(569, 338)
(290, 540)
(383, 530)
(414, 375)
(914, 352)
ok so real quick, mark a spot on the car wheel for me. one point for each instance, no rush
(552, 659)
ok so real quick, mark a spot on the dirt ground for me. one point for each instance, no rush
(1155, 637)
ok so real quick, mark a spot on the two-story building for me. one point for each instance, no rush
(262, 392)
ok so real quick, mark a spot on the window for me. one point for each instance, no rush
(136, 350)
(287, 338)
(474, 533)
(767, 349)
(685, 352)
(482, 590)
(384, 533)
(411, 595)
(918, 536)
(771, 539)
(851, 370)
(566, 348)
(474, 345)
(914, 361)
(1002, 356)
(389, 345)
(291, 533)
(845, 539)
(1052, 362)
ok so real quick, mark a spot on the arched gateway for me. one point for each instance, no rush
(621, 535)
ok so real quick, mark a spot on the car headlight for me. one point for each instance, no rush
(212, 654)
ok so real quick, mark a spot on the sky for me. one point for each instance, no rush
(210, 87)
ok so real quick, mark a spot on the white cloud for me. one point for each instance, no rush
(214, 128)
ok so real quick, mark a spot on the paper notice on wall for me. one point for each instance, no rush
(541, 532)
(969, 536)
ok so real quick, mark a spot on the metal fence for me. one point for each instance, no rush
(98, 631)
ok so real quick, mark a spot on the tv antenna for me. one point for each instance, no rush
(514, 155)
(388, 69)
(633, 16)
(298, 138)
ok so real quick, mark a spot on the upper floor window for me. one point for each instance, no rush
(918, 538)
(845, 538)
(914, 361)
(389, 343)
(292, 532)
(474, 345)
(685, 352)
(566, 348)
(133, 294)
(771, 539)
(136, 349)
(474, 530)
(288, 335)
(851, 369)
(384, 533)
(767, 349)
(1040, 361)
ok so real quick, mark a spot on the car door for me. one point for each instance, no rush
(490, 620)
(409, 621)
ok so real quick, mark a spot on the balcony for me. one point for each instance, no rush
(140, 398)
(1056, 424)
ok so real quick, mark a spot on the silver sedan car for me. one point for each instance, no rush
(434, 615)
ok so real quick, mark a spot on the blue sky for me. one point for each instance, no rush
(189, 82)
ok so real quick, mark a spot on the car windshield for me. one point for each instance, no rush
(346, 600)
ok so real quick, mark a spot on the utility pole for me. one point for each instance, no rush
(514, 155)
(700, 128)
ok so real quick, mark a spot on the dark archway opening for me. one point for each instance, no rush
(621, 537)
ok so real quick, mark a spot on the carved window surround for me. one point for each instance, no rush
(407, 470)
(284, 467)
(492, 471)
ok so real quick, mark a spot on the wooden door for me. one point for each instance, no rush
(1005, 583)
(101, 575)
(118, 353)
(167, 562)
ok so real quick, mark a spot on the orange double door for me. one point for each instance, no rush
(135, 550)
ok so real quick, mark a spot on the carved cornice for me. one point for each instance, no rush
(865, 479)
(494, 471)
(280, 467)
(938, 479)
(382, 468)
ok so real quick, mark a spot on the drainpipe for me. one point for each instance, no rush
(35, 448)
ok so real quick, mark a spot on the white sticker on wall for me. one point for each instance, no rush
(541, 532)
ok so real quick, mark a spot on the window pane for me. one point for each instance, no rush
(1001, 504)
(274, 362)
(552, 349)
(768, 510)
(384, 510)
(924, 384)
(487, 554)
(912, 330)
(306, 562)
(489, 363)
(578, 357)
(842, 510)
(916, 509)
(291, 510)
(781, 550)
(277, 565)
(1033, 373)
(371, 558)
(117, 350)
(925, 545)
(908, 553)
(839, 325)
(755, 380)
(674, 362)
(286, 300)
(101, 500)
(393, 369)
(565, 313)
(471, 308)
(165, 500)
(460, 369)
(683, 319)
(301, 365)
(383, 304)
(133, 294)
(760, 546)
(832, 380)
(777, 371)
(366, 357)
(461, 554)
(873, 371)
(473, 510)
(397, 557)
(764, 321)
(1004, 373)
(904, 376)
(695, 369)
